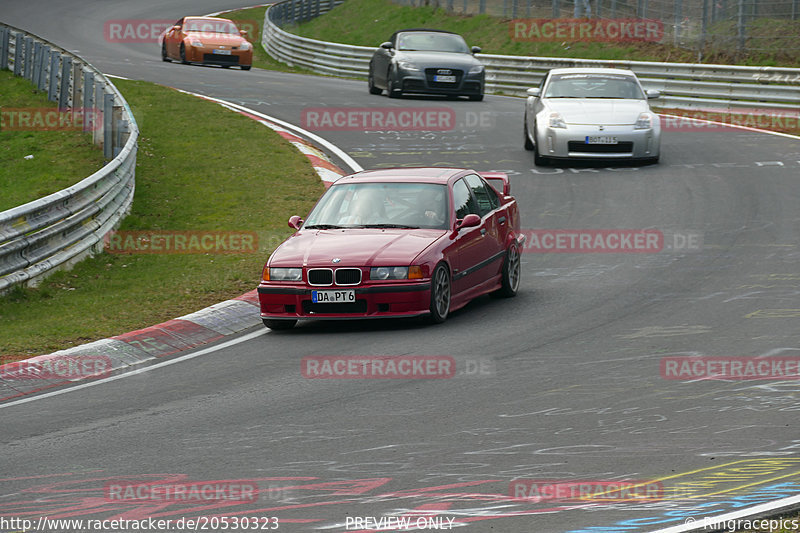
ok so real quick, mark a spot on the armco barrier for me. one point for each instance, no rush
(62, 228)
(683, 85)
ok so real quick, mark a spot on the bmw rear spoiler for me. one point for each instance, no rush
(499, 181)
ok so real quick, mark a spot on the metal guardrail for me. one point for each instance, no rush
(683, 85)
(66, 226)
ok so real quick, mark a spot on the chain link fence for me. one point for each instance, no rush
(735, 27)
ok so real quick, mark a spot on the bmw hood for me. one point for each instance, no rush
(425, 60)
(353, 247)
(608, 112)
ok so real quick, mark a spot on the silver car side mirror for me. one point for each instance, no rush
(534, 91)
(652, 93)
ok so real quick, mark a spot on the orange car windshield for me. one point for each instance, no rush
(211, 26)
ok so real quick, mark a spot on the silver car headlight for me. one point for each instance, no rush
(477, 69)
(245, 46)
(407, 65)
(644, 122)
(556, 120)
(285, 274)
(195, 42)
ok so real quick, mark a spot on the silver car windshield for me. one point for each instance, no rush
(381, 205)
(432, 42)
(593, 86)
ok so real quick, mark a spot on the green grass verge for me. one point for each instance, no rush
(370, 22)
(200, 167)
(60, 158)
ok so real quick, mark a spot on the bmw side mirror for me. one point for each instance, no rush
(387, 45)
(476, 49)
(295, 222)
(534, 91)
(652, 93)
(469, 221)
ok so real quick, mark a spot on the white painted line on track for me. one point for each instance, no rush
(180, 359)
(716, 522)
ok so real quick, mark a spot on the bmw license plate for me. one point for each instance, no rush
(444, 79)
(600, 139)
(222, 52)
(333, 297)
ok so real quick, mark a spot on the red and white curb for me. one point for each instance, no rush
(189, 331)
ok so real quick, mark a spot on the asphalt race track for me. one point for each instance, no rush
(562, 383)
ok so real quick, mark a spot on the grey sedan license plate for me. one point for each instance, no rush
(444, 79)
(600, 139)
(333, 297)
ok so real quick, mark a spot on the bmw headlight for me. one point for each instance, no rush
(195, 42)
(245, 46)
(397, 272)
(644, 122)
(285, 274)
(407, 65)
(477, 69)
(556, 121)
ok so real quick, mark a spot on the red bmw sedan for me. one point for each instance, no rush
(396, 243)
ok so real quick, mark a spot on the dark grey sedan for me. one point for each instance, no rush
(428, 62)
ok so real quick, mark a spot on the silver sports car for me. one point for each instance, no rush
(591, 113)
(426, 61)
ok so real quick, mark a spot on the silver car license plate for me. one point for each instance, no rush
(600, 139)
(333, 297)
(444, 79)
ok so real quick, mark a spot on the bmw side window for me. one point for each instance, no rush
(483, 194)
(463, 202)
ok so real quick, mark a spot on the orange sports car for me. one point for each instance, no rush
(207, 40)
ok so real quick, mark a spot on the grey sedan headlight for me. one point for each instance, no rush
(285, 274)
(644, 122)
(388, 273)
(477, 69)
(407, 65)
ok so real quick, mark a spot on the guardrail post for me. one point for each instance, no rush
(77, 85)
(740, 28)
(117, 125)
(89, 114)
(599, 9)
(37, 60)
(316, 8)
(44, 60)
(794, 9)
(18, 49)
(482, 7)
(703, 30)
(613, 9)
(556, 9)
(52, 92)
(108, 125)
(450, 6)
(641, 9)
(64, 100)
(28, 58)
(98, 133)
(5, 34)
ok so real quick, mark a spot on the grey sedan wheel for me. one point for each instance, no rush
(391, 85)
(371, 85)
